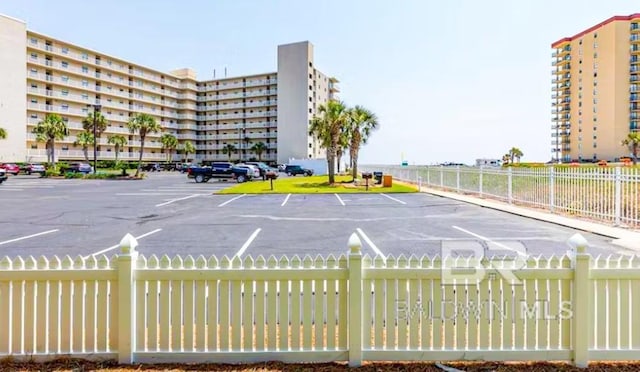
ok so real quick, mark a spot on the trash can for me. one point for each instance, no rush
(387, 180)
(378, 177)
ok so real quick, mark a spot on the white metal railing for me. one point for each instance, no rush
(609, 194)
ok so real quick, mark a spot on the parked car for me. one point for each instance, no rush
(281, 167)
(11, 168)
(255, 170)
(294, 170)
(79, 168)
(219, 170)
(3, 175)
(151, 167)
(34, 168)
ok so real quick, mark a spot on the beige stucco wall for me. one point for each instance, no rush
(13, 89)
(599, 91)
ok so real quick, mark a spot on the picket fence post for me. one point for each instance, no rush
(582, 304)
(126, 299)
(355, 301)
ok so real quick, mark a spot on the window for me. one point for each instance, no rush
(34, 86)
(65, 50)
(34, 71)
(85, 56)
(85, 110)
(34, 41)
(64, 64)
(33, 100)
(85, 83)
(65, 92)
(85, 96)
(64, 78)
(64, 107)
(34, 56)
(85, 69)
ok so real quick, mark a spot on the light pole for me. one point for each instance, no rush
(96, 111)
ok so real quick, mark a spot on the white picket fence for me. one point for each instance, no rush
(348, 308)
(607, 194)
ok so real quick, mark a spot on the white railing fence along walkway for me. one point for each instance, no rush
(351, 308)
(605, 194)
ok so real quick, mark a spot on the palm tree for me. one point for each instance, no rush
(170, 143)
(259, 148)
(118, 141)
(3, 133)
(188, 148)
(228, 150)
(515, 153)
(84, 139)
(143, 124)
(50, 129)
(632, 142)
(95, 118)
(361, 123)
(327, 128)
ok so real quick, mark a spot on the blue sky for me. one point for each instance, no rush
(449, 80)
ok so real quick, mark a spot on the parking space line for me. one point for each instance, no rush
(247, 243)
(117, 245)
(394, 199)
(339, 199)
(149, 193)
(178, 199)
(232, 199)
(285, 200)
(370, 243)
(28, 236)
(489, 240)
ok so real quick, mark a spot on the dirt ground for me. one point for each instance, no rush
(76, 365)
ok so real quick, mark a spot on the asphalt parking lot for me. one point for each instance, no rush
(170, 214)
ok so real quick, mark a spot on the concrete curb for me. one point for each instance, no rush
(624, 238)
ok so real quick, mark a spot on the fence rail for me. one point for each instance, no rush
(611, 195)
(350, 308)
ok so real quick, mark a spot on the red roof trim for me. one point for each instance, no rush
(599, 25)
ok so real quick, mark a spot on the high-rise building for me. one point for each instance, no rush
(596, 90)
(42, 75)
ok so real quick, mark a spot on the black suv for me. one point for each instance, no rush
(294, 170)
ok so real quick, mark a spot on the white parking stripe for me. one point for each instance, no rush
(232, 199)
(285, 200)
(339, 199)
(247, 243)
(175, 200)
(394, 199)
(149, 193)
(28, 236)
(117, 245)
(489, 240)
(373, 246)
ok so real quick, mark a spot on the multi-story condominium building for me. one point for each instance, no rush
(42, 75)
(596, 90)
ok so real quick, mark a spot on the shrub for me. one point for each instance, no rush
(51, 172)
(73, 175)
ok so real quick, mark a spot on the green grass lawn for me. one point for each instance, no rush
(313, 185)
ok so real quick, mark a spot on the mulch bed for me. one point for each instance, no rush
(81, 365)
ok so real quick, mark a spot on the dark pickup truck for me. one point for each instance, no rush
(219, 171)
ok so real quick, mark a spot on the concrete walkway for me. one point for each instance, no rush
(623, 237)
